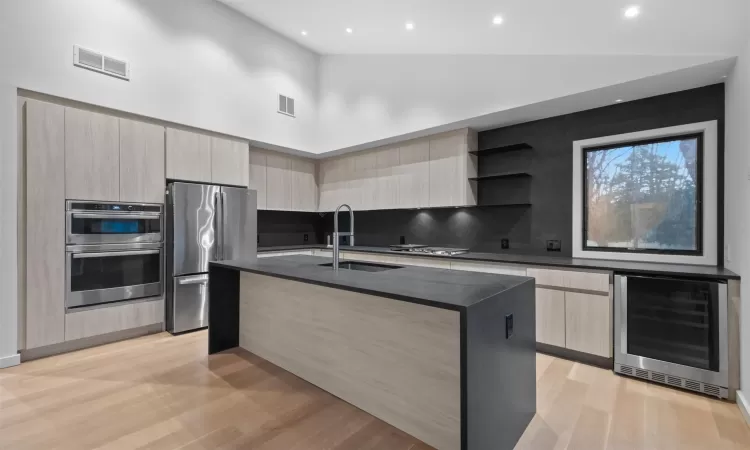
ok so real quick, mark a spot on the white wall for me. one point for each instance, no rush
(365, 98)
(737, 195)
(194, 62)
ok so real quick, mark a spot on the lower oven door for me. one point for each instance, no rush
(110, 273)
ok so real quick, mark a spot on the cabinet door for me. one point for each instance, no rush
(92, 156)
(448, 170)
(258, 175)
(188, 156)
(278, 182)
(550, 317)
(366, 183)
(488, 268)
(142, 177)
(45, 224)
(229, 161)
(414, 175)
(386, 178)
(304, 185)
(588, 323)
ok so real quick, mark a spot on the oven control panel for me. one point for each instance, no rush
(115, 207)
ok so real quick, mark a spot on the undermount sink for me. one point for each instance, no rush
(363, 266)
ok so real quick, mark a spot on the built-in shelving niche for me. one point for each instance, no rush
(503, 179)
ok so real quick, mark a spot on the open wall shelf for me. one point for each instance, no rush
(503, 149)
(497, 176)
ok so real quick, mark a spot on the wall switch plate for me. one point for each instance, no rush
(504, 244)
(553, 245)
(306, 237)
(508, 326)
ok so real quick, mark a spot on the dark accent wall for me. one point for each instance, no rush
(550, 161)
(550, 164)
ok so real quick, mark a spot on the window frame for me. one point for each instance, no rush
(709, 201)
(698, 196)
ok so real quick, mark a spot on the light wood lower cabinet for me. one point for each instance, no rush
(488, 268)
(94, 322)
(550, 317)
(285, 253)
(45, 224)
(588, 323)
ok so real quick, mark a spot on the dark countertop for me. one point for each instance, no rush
(558, 261)
(449, 289)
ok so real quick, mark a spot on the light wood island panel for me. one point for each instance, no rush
(396, 360)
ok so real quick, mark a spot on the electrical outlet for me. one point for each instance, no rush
(508, 326)
(504, 244)
(402, 240)
(306, 237)
(553, 245)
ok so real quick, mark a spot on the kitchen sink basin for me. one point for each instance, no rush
(363, 266)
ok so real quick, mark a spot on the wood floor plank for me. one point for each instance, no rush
(163, 392)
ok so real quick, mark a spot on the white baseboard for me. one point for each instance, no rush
(10, 361)
(744, 406)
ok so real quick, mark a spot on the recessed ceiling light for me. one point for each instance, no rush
(304, 33)
(349, 30)
(497, 20)
(632, 12)
(409, 26)
(619, 100)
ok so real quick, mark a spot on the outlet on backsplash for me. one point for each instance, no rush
(504, 244)
(306, 237)
(553, 245)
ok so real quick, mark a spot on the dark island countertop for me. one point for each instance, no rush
(645, 268)
(448, 289)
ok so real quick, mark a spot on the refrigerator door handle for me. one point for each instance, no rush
(224, 220)
(217, 227)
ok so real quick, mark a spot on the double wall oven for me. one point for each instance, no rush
(114, 252)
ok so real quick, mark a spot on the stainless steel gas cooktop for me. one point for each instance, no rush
(443, 251)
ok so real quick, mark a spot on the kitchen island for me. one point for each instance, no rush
(446, 356)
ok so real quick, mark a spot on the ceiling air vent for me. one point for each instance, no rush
(286, 105)
(89, 59)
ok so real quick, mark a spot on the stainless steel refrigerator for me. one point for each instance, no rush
(204, 223)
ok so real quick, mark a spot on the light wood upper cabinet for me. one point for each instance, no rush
(304, 185)
(229, 161)
(588, 323)
(550, 317)
(188, 156)
(386, 178)
(413, 173)
(142, 175)
(362, 192)
(451, 166)
(45, 224)
(278, 181)
(92, 156)
(257, 174)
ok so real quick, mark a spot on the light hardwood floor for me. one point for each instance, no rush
(163, 392)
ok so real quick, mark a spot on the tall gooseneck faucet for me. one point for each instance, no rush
(336, 233)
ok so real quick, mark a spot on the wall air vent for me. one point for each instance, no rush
(286, 105)
(89, 59)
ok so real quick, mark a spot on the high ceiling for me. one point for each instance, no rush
(536, 27)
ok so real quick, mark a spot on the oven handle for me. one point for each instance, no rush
(110, 254)
(123, 216)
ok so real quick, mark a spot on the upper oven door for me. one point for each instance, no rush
(91, 227)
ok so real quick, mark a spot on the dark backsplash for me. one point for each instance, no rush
(278, 228)
(528, 228)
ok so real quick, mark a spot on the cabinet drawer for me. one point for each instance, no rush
(588, 323)
(488, 268)
(357, 256)
(422, 262)
(324, 253)
(570, 279)
(550, 317)
(94, 322)
(284, 253)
